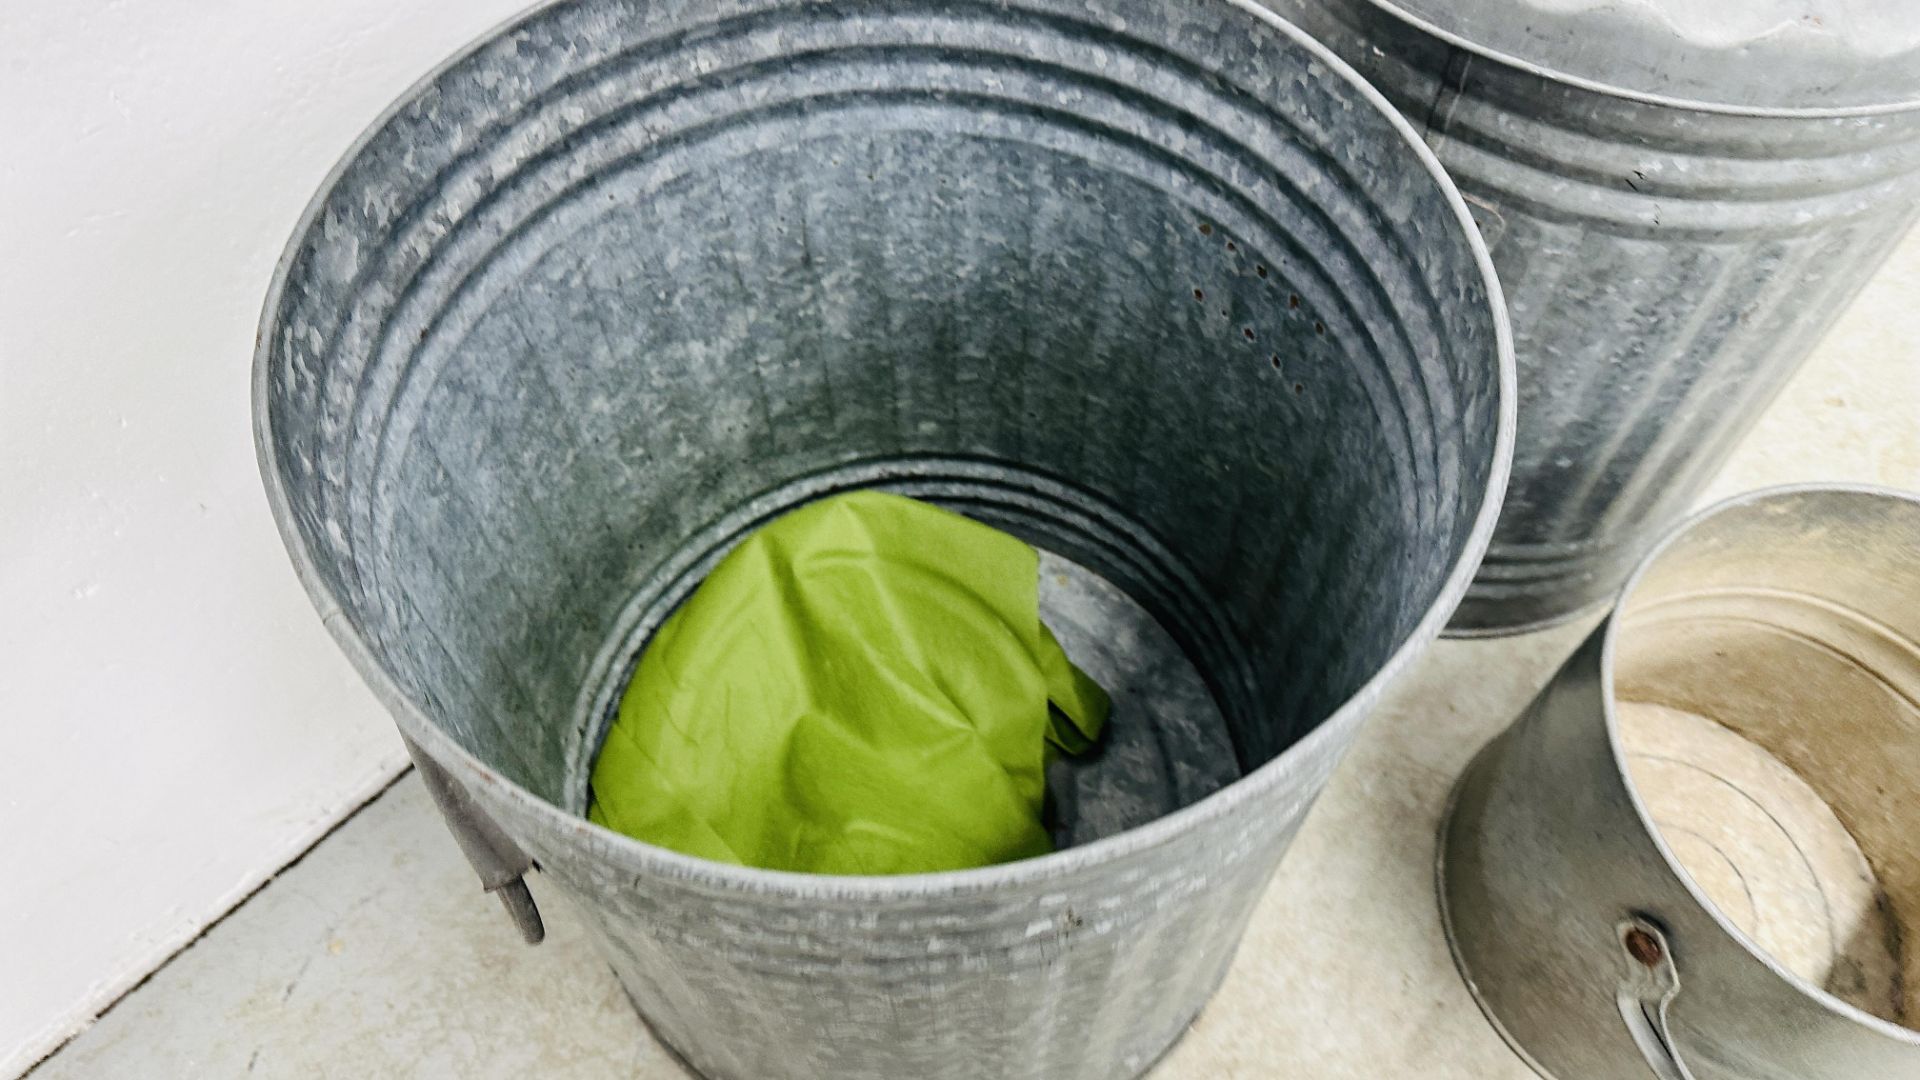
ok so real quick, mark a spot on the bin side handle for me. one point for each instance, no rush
(1647, 993)
(500, 863)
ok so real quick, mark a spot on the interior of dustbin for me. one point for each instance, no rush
(1232, 368)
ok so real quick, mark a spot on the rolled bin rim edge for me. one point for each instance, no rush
(1609, 629)
(648, 858)
(1595, 86)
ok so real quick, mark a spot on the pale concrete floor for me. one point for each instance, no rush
(377, 956)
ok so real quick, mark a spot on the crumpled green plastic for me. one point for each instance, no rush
(863, 686)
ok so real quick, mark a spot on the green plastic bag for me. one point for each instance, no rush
(863, 686)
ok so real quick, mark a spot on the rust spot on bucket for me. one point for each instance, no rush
(1643, 947)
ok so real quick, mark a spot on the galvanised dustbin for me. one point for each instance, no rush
(1163, 289)
(1680, 197)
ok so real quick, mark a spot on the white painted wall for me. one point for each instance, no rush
(174, 724)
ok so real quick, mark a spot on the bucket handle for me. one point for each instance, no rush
(500, 862)
(1647, 993)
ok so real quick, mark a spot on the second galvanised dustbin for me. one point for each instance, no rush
(1680, 197)
(1165, 290)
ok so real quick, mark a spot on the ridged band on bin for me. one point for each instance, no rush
(1167, 291)
(1790, 618)
(1667, 265)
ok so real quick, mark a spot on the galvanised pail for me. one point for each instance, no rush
(1164, 289)
(1693, 857)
